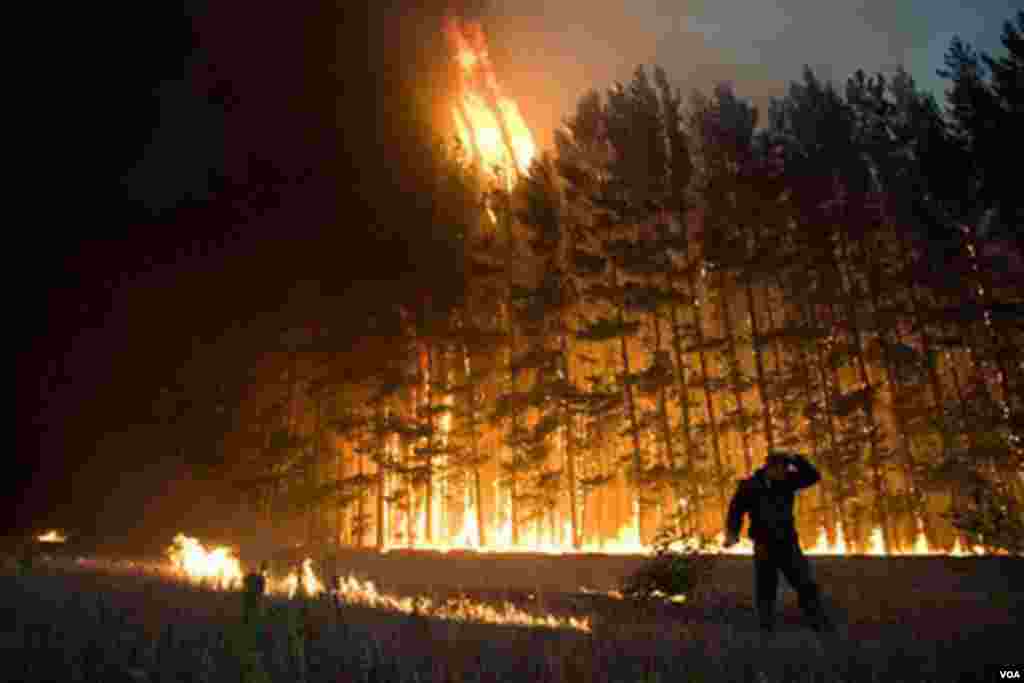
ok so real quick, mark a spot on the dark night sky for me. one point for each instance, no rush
(205, 174)
(209, 154)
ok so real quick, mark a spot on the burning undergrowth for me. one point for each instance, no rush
(100, 625)
(218, 568)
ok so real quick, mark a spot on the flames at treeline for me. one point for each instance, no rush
(489, 125)
(428, 466)
(218, 568)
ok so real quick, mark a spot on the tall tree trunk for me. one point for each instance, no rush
(776, 343)
(806, 373)
(568, 420)
(339, 470)
(359, 532)
(663, 416)
(409, 458)
(762, 381)
(932, 363)
(896, 394)
(675, 490)
(312, 525)
(840, 498)
(874, 456)
(514, 500)
(682, 380)
(709, 405)
(381, 446)
(431, 429)
(631, 409)
(475, 439)
(730, 339)
(937, 394)
(969, 435)
(512, 386)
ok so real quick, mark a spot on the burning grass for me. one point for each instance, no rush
(912, 618)
(219, 568)
(52, 536)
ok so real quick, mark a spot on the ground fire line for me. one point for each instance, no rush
(219, 568)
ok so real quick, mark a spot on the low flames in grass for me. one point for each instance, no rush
(219, 568)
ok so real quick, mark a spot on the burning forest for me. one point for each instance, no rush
(490, 128)
(434, 398)
(628, 348)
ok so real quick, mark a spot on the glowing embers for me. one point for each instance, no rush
(52, 536)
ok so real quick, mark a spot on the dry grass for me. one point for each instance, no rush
(912, 619)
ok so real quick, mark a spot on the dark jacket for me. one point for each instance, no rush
(770, 503)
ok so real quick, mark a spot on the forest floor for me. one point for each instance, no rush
(901, 618)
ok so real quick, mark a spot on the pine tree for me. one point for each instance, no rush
(827, 175)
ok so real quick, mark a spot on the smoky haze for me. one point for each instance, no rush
(549, 53)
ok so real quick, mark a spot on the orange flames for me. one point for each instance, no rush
(488, 124)
(219, 568)
(289, 585)
(52, 536)
(627, 542)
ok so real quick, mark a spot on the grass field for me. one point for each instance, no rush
(902, 619)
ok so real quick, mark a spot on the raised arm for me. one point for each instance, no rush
(806, 474)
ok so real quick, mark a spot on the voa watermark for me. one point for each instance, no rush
(1010, 674)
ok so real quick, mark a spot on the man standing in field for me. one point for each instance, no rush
(767, 496)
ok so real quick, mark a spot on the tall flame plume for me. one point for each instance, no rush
(488, 123)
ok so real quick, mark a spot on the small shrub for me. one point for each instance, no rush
(679, 567)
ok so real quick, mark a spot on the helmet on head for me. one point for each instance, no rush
(776, 458)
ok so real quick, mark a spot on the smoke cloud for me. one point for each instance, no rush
(549, 53)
